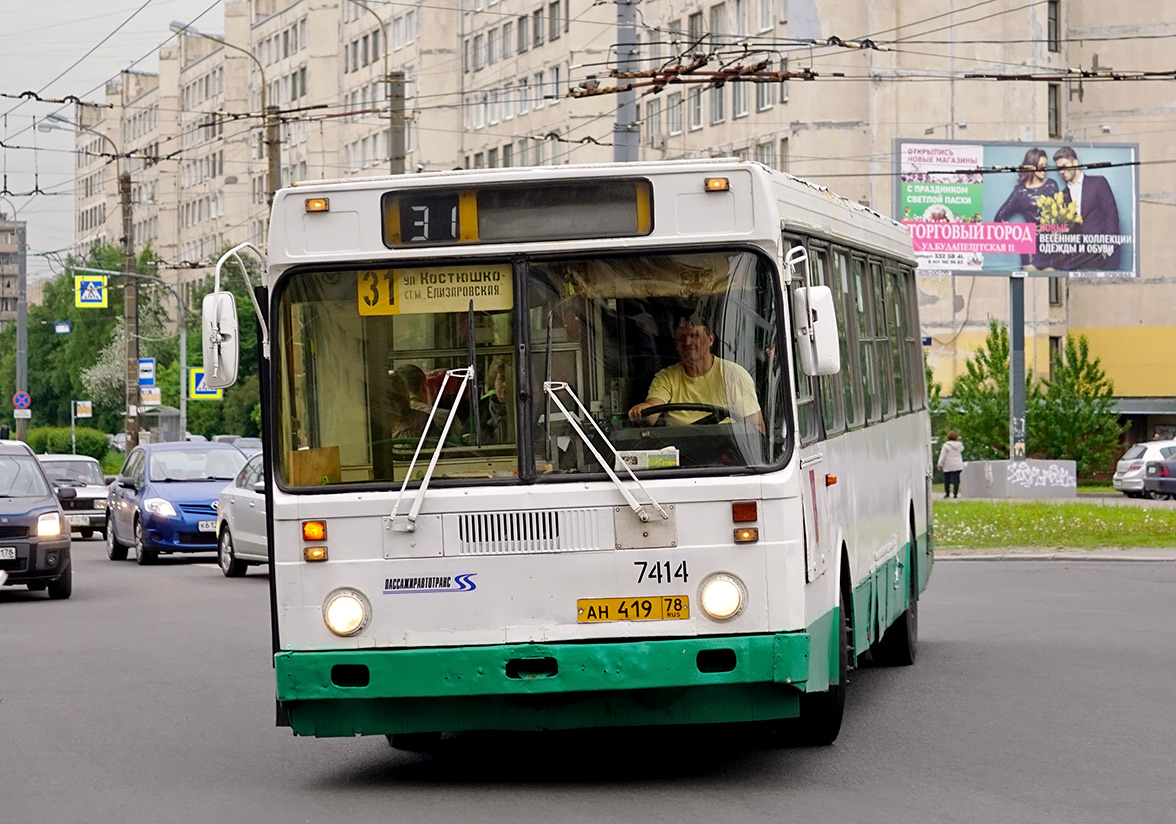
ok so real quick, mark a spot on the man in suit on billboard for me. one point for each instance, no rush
(1096, 205)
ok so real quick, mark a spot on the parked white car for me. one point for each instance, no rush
(86, 513)
(1131, 469)
(240, 525)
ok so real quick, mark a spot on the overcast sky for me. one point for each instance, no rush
(41, 39)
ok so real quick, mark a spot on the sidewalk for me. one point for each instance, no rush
(1036, 553)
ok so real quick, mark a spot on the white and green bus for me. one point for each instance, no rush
(583, 446)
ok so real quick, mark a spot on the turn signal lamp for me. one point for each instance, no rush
(718, 184)
(743, 512)
(314, 553)
(747, 535)
(314, 531)
(318, 204)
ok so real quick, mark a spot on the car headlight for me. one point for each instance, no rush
(346, 612)
(158, 506)
(722, 596)
(49, 525)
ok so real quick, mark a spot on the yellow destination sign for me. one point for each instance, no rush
(434, 289)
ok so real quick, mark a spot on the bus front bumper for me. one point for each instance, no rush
(549, 686)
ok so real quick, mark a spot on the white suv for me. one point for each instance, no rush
(1130, 470)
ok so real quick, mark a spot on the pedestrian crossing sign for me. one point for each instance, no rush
(198, 390)
(90, 291)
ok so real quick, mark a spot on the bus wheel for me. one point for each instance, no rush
(820, 712)
(426, 742)
(898, 644)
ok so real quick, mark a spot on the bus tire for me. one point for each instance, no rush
(821, 712)
(899, 644)
(426, 742)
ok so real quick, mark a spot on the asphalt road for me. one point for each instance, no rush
(1043, 693)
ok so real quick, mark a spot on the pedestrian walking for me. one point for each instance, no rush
(951, 461)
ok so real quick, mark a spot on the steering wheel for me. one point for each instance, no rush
(715, 413)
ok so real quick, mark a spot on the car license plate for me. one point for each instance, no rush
(206, 526)
(7, 553)
(657, 608)
(78, 520)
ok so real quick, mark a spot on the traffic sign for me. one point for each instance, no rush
(83, 409)
(198, 390)
(22, 413)
(62, 327)
(90, 291)
(22, 400)
(150, 396)
(146, 371)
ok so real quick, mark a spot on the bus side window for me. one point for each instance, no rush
(806, 411)
(914, 342)
(832, 412)
(896, 317)
(851, 389)
(881, 341)
(867, 373)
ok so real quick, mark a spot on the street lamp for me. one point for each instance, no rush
(130, 289)
(393, 144)
(273, 146)
(948, 126)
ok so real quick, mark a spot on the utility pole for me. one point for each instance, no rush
(130, 312)
(396, 117)
(273, 148)
(22, 322)
(625, 132)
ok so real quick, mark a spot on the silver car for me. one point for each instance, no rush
(241, 530)
(86, 513)
(1131, 469)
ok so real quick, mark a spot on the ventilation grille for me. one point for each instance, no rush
(511, 533)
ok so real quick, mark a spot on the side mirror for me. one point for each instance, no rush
(259, 487)
(218, 332)
(815, 320)
(66, 493)
(109, 479)
(126, 483)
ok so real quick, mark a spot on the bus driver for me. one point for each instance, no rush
(700, 378)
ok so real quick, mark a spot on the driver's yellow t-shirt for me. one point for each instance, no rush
(725, 384)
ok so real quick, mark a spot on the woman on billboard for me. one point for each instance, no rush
(1032, 183)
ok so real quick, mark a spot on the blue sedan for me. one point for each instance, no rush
(165, 499)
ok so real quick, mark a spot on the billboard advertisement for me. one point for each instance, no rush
(976, 206)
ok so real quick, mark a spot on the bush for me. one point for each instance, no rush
(57, 440)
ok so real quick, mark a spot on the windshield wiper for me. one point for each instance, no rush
(410, 524)
(550, 388)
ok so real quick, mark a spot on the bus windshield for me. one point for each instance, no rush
(676, 358)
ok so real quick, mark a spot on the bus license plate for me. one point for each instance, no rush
(657, 608)
(7, 553)
(206, 526)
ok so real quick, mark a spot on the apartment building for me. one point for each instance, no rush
(486, 85)
(13, 249)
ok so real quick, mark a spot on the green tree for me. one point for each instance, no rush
(979, 410)
(1072, 415)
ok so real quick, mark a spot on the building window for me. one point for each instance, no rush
(507, 152)
(765, 14)
(718, 103)
(653, 120)
(522, 42)
(537, 27)
(694, 29)
(1055, 351)
(1053, 25)
(763, 96)
(1054, 111)
(674, 113)
(739, 99)
(765, 154)
(783, 83)
(508, 43)
(524, 96)
(782, 157)
(695, 101)
(1055, 291)
(553, 21)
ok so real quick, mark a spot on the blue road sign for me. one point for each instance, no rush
(146, 371)
(198, 391)
(62, 327)
(22, 400)
(90, 291)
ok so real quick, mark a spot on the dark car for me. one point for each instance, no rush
(165, 499)
(34, 538)
(1159, 479)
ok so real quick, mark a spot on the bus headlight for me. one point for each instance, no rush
(346, 612)
(722, 596)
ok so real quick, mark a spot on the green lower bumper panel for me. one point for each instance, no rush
(544, 686)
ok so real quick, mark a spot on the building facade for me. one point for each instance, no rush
(487, 84)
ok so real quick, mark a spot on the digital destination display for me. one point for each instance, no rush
(572, 210)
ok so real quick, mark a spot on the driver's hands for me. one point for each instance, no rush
(638, 411)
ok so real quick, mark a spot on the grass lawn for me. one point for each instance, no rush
(1077, 525)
